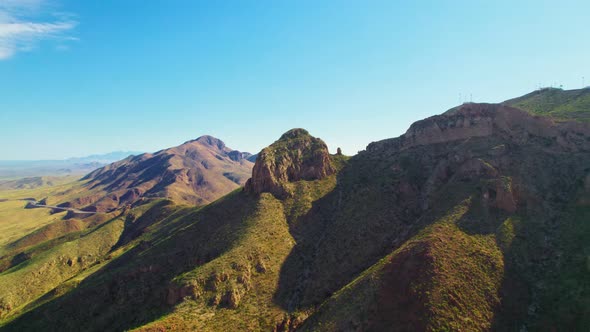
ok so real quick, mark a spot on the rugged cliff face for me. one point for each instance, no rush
(486, 120)
(295, 156)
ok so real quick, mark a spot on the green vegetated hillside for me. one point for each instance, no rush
(473, 220)
(16, 221)
(558, 103)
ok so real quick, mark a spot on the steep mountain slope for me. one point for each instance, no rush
(485, 220)
(196, 172)
(474, 220)
(49, 269)
(220, 263)
(59, 245)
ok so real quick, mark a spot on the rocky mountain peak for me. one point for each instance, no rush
(196, 172)
(212, 141)
(295, 156)
(295, 133)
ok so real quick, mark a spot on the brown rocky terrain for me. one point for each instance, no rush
(485, 120)
(196, 172)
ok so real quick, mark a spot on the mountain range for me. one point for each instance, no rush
(196, 172)
(477, 219)
(16, 169)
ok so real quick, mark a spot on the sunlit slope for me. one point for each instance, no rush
(557, 103)
(27, 232)
(196, 172)
(422, 285)
(221, 263)
(16, 221)
(150, 277)
(31, 279)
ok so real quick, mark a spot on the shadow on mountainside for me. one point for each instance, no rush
(518, 203)
(372, 210)
(542, 240)
(545, 287)
(133, 289)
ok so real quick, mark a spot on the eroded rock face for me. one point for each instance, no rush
(295, 156)
(484, 120)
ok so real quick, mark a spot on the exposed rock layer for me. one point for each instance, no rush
(484, 120)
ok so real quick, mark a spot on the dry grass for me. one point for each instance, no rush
(16, 221)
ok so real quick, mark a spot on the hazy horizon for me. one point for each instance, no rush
(155, 75)
(70, 158)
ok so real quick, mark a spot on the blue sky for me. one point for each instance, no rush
(85, 77)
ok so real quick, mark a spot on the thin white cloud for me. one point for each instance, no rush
(20, 31)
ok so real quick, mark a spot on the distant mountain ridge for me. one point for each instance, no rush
(31, 182)
(104, 158)
(12, 169)
(197, 172)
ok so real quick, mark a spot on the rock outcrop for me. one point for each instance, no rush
(484, 120)
(295, 156)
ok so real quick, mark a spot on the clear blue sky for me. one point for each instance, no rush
(85, 77)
